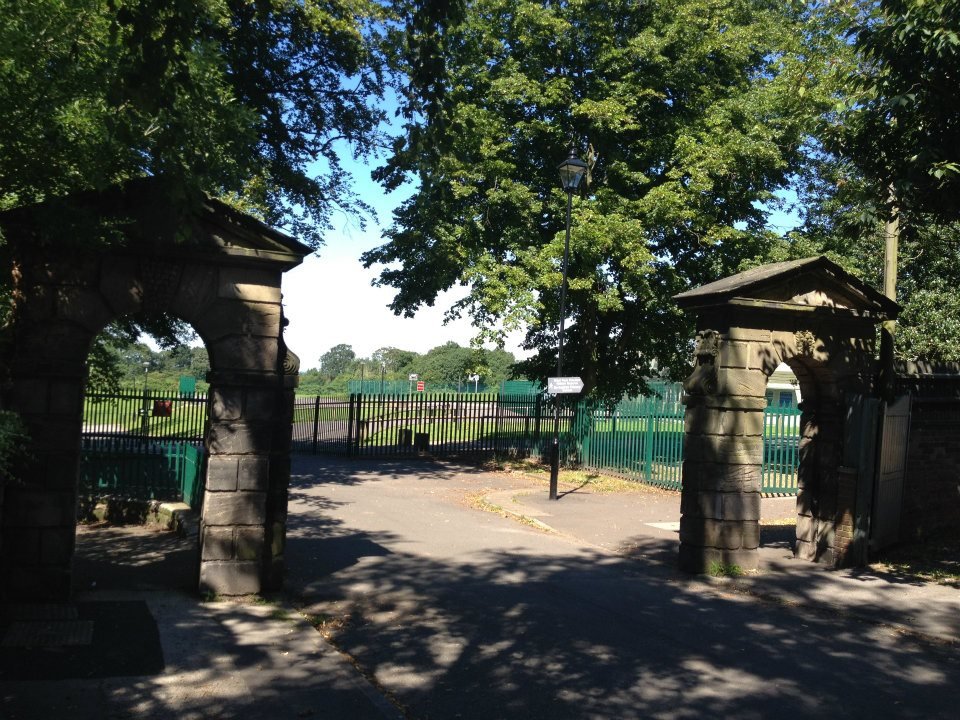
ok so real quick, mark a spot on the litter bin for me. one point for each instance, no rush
(421, 441)
(405, 438)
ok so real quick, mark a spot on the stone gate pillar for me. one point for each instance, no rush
(202, 262)
(820, 319)
(252, 380)
(723, 452)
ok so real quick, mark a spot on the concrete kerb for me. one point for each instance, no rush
(506, 502)
(278, 626)
(178, 517)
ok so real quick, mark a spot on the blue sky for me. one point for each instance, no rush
(330, 300)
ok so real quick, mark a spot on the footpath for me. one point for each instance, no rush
(154, 652)
(646, 526)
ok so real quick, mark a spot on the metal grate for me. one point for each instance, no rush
(48, 633)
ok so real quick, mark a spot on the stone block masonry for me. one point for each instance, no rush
(814, 316)
(219, 271)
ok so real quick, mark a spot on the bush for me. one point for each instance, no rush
(13, 444)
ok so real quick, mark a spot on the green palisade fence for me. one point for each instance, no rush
(137, 470)
(638, 439)
(781, 446)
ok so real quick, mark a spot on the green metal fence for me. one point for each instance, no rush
(638, 439)
(138, 470)
(373, 386)
(781, 450)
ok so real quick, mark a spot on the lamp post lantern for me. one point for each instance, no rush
(572, 171)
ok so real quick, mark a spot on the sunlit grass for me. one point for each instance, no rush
(586, 479)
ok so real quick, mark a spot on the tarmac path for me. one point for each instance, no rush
(459, 613)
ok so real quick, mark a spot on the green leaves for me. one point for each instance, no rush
(693, 109)
(903, 132)
(252, 101)
(929, 328)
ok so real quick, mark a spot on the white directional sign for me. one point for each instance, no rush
(564, 385)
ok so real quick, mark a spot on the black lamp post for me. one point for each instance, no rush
(145, 407)
(572, 171)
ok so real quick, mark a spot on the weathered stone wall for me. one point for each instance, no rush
(47, 377)
(931, 490)
(230, 294)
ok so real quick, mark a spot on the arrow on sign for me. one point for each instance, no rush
(564, 385)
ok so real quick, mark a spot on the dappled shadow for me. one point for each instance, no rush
(134, 558)
(521, 624)
(650, 550)
(310, 470)
(780, 536)
(933, 558)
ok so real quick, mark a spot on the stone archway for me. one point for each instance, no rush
(820, 320)
(205, 263)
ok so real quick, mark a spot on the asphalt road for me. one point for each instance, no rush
(460, 613)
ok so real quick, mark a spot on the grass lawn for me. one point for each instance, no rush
(587, 479)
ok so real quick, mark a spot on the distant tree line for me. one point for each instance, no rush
(449, 364)
(117, 362)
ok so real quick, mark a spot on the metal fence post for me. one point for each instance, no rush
(648, 443)
(350, 426)
(316, 424)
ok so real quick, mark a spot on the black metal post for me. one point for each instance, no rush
(555, 450)
(145, 406)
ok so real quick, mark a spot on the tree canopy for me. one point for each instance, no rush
(890, 147)
(248, 100)
(903, 125)
(337, 360)
(695, 115)
(252, 101)
(697, 111)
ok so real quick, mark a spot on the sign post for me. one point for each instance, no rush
(564, 385)
(559, 386)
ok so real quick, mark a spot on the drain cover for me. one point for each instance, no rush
(48, 633)
(95, 639)
(39, 611)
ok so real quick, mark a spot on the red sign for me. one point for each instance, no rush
(420, 386)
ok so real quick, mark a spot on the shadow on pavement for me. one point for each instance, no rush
(522, 632)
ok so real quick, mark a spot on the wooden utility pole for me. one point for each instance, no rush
(891, 242)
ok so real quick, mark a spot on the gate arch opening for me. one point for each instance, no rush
(141, 457)
(218, 270)
(819, 320)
